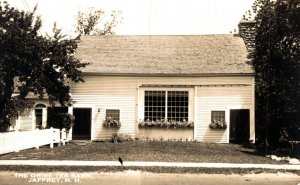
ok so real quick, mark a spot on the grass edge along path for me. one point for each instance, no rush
(152, 151)
(113, 169)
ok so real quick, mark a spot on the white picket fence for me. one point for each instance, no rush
(21, 140)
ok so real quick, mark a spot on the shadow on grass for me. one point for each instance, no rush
(279, 152)
(250, 149)
(255, 153)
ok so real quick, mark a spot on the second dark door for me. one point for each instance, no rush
(239, 126)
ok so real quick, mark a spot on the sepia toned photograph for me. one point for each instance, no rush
(150, 92)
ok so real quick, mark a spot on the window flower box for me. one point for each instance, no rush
(162, 129)
(109, 122)
(217, 124)
(166, 124)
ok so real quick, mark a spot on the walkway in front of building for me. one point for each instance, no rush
(146, 164)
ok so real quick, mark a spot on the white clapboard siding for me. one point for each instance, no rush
(219, 98)
(126, 105)
(26, 122)
(117, 92)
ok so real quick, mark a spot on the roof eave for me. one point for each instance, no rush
(169, 74)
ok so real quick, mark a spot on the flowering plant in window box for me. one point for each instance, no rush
(111, 122)
(166, 123)
(218, 124)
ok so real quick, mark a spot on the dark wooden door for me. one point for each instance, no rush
(82, 124)
(239, 126)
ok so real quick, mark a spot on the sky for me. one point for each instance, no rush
(146, 17)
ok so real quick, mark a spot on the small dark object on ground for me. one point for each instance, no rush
(121, 161)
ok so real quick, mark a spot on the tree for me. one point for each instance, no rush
(33, 63)
(276, 60)
(89, 22)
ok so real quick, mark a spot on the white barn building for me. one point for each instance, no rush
(198, 79)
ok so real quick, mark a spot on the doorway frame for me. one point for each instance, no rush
(251, 120)
(237, 110)
(84, 106)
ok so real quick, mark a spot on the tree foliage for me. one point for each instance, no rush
(89, 22)
(276, 59)
(61, 120)
(31, 63)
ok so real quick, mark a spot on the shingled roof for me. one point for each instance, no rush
(164, 55)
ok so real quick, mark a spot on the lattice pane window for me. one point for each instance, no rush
(178, 105)
(113, 113)
(155, 104)
(218, 116)
(170, 105)
(38, 117)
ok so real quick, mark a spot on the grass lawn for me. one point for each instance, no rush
(145, 151)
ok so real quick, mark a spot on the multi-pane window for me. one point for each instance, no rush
(169, 105)
(38, 117)
(38, 111)
(178, 105)
(155, 105)
(113, 113)
(217, 116)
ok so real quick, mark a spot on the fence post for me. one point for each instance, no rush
(52, 137)
(17, 147)
(37, 146)
(63, 136)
